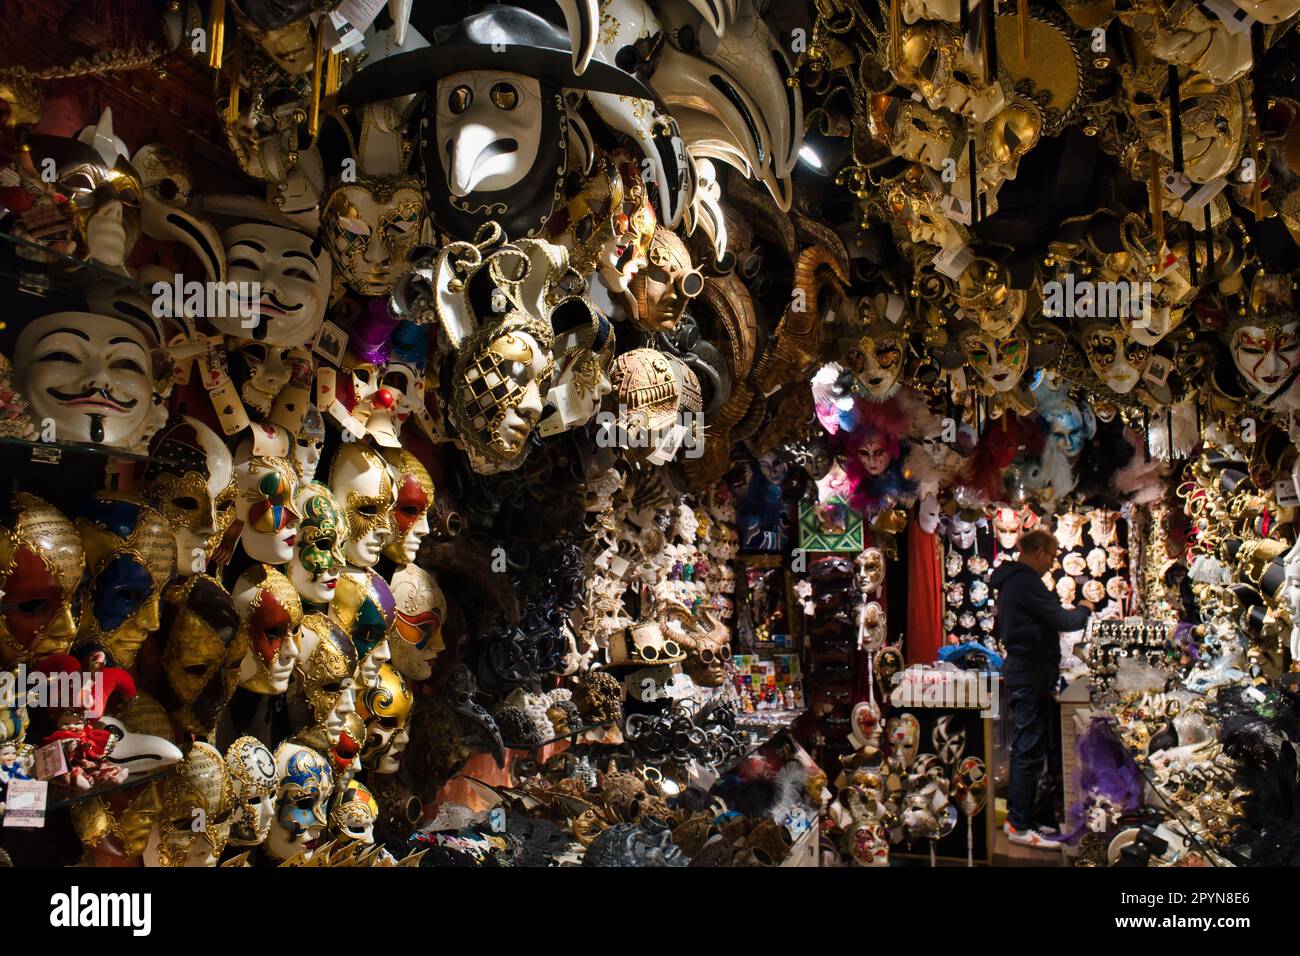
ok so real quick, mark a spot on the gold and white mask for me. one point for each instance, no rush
(362, 483)
(197, 801)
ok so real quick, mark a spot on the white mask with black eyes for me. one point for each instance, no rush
(292, 274)
(488, 129)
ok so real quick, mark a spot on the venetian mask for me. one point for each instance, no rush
(306, 783)
(493, 146)
(266, 370)
(411, 511)
(283, 28)
(913, 131)
(371, 226)
(985, 297)
(97, 194)
(970, 786)
(308, 444)
(386, 707)
(999, 363)
(41, 562)
(1184, 34)
(1008, 136)
(904, 736)
(665, 285)
(883, 352)
(1267, 354)
(914, 198)
(270, 613)
(1066, 589)
(1071, 426)
(201, 653)
(361, 481)
(962, 533)
(319, 559)
(254, 781)
(949, 741)
(1212, 118)
(1096, 559)
(929, 514)
(404, 378)
(584, 350)
(292, 274)
(936, 63)
(353, 815)
(874, 455)
(364, 606)
(1006, 525)
(264, 504)
(197, 801)
(185, 489)
(1117, 359)
(416, 637)
(91, 375)
(326, 671)
(130, 555)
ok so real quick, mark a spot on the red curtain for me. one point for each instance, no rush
(924, 595)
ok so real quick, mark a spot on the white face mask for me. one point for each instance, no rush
(928, 514)
(265, 505)
(421, 609)
(307, 446)
(293, 274)
(488, 129)
(361, 482)
(90, 375)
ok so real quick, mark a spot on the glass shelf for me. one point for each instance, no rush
(51, 452)
(44, 273)
(61, 797)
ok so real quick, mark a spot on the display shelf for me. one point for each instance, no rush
(61, 797)
(44, 273)
(572, 736)
(1187, 824)
(51, 452)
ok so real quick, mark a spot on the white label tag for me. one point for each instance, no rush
(1158, 369)
(619, 565)
(953, 262)
(958, 210)
(1177, 184)
(25, 803)
(1286, 493)
(350, 20)
(1205, 193)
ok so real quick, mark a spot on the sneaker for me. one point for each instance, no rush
(1049, 829)
(1029, 838)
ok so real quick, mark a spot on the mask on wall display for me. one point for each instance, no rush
(130, 556)
(363, 605)
(915, 198)
(201, 652)
(386, 708)
(41, 562)
(913, 131)
(1184, 34)
(270, 613)
(353, 813)
(264, 505)
(308, 444)
(903, 734)
(283, 28)
(1117, 359)
(92, 376)
(584, 350)
(497, 322)
(198, 469)
(416, 638)
(411, 511)
(197, 801)
(883, 349)
(325, 675)
(254, 781)
(1267, 354)
(362, 483)
(999, 363)
(1006, 525)
(95, 193)
(653, 391)
(293, 274)
(666, 284)
(319, 559)
(371, 226)
(936, 62)
(306, 783)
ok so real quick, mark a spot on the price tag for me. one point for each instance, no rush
(1235, 19)
(1205, 193)
(51, 761)
(953, 262)
(25, 803)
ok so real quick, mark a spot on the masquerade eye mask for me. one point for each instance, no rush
(364, 606)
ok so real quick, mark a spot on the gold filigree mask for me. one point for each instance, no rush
(935, 63)
(41, 563)
(325, 667)
(198, 799)
(202, 651)
(371, 226)
(998, 362)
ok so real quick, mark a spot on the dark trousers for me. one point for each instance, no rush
(1035, 756)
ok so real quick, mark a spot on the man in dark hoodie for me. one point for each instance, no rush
(1029, 622)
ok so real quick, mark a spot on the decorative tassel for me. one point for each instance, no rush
(974, 198)
(1256, 189)
(990, 43)
(1022, 17)
(232, 105)
(217, 32)
(1175, 119)
(896, 33)
(1158, 210)
(317, 81)
(333, 69)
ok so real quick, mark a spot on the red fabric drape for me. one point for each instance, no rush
(924, 595)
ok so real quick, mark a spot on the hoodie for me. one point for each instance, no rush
(1029, 622)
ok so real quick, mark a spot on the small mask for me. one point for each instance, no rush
(264, 504)
(186, 492)
(91, 375)
(411, 511)
(254, 779)
(903, 734)
(270, 614)
(949, 741)
(882, 361)
(283, 28)
(318, 559)
(584, 352)
(364, 606)
(1117, 359)
(130, 556)
(370, 227)
(41, 563)
(936, 63)
(361, 481)
(666, 284)
(353, 815)
(386, 707)
(325, 675)
(416, 638)
(197, 801)
(913, 131)
(308, 444)
(202, 650)
(306, 783)
(1267, 354)
(999, 363)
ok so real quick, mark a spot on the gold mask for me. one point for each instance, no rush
(198, 799)
(202, 652)
(323, 669)
(41, 562)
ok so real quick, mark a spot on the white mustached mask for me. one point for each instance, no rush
(488, 129)
(293, 273)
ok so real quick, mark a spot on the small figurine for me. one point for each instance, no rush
(85, 746)
(12, 767)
